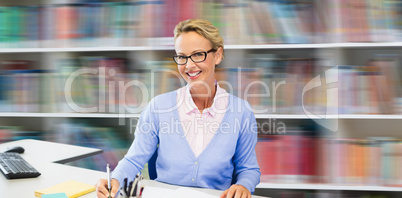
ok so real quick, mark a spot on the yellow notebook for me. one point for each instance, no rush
(71, 188)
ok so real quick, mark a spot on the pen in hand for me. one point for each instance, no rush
(108, 179)
(133, 191)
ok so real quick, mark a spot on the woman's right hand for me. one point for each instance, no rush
(102, 190)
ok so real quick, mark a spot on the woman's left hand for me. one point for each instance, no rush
(236, 191)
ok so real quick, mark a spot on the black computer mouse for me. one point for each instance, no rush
(15, 149)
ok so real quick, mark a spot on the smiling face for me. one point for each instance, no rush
(190, 43)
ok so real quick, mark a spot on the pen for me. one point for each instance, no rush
(125, 186)
(108, 179)
(137, 191)
(130, 186)
(134, 189)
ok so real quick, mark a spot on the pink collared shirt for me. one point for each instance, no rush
(200, 128)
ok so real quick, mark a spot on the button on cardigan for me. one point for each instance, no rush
(229, 156)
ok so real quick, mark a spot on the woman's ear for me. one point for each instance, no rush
(218, 55)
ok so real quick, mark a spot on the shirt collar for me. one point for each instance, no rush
(217, 105)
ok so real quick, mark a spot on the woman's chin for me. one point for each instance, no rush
(198, 84)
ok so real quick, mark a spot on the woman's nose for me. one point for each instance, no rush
(190, 63)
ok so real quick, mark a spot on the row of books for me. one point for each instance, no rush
(371, 89)
(80, 25)
(14, 133)
(358, 21)
(298, 158)
(130, 23)
(23, 89)
(151, 22)
(96, 84)
(277, 85)
(271, 84)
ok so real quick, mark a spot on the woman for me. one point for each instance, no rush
(206, 136)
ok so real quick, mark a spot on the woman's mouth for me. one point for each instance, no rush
(193, 75)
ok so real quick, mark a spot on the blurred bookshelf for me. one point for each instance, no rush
(99, 44)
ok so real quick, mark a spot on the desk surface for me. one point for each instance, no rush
(54, 173)
(50, 151)
(216, 193)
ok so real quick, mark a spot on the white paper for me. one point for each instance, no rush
(182, 192)
(151, 192)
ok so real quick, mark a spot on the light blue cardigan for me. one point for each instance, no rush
(231, 151)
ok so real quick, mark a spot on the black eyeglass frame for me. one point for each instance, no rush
(205, 57)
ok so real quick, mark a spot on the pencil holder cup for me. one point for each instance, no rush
(132, 189)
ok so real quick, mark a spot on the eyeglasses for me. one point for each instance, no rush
(196, 57)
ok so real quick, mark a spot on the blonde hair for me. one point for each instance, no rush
(204, 28)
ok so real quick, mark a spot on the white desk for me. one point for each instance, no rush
(50, 152)
(54, 173)
(216, 193)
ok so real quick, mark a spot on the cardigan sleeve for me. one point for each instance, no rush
(247, 171)
(143, 147)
